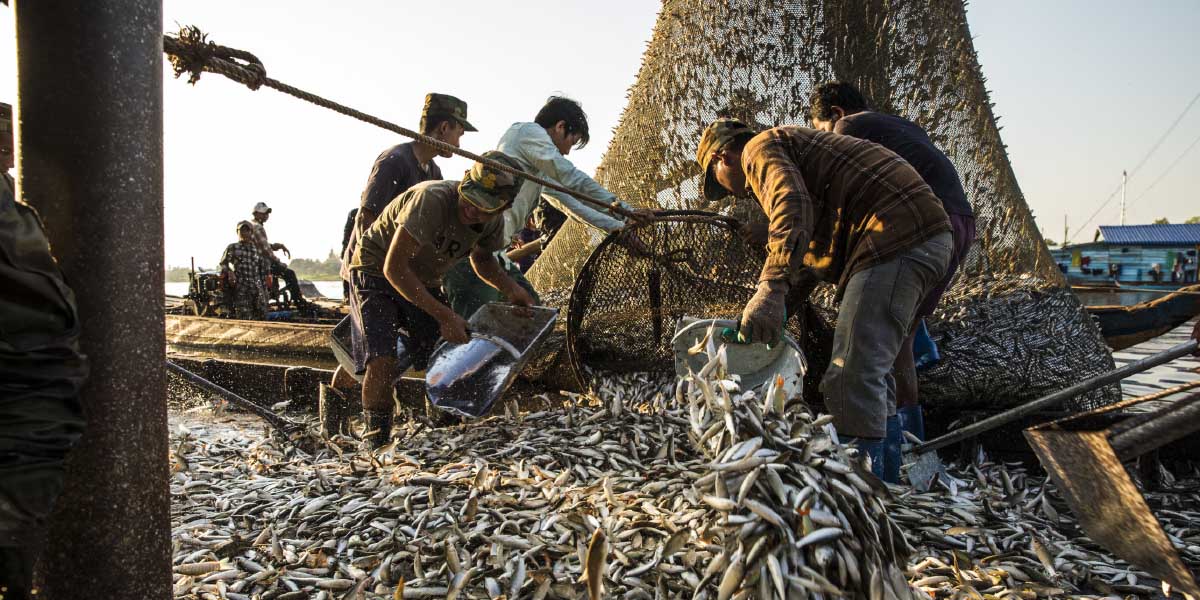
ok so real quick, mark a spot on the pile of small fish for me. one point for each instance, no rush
(803, 517)
(644, 489)
(992, 530)
(1008, 339)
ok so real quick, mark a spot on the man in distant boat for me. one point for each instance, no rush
(396, 303)
(840, 108)
(245, 269)
(443, 118)
(541, 147)
(261, 213)
(843, 211)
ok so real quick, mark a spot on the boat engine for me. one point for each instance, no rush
(209, 294)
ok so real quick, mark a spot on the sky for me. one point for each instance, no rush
(1083, 90)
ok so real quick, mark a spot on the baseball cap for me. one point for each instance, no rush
(488, 189)
(443, 105)
(262, 207)
(717, 135)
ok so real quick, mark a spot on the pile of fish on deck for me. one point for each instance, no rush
(647, 489)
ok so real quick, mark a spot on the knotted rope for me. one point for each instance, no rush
(191, 52)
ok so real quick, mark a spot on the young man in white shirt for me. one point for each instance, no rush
(541, 147)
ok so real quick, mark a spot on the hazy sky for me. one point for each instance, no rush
(1083, 89)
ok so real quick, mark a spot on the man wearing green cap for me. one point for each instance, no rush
(41, 372)
(402, 166)
(397, 169)
(397, 273)
(843, 211)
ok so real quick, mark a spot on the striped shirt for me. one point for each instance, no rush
(836, 204)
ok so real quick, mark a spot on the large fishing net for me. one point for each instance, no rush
(1009, 330)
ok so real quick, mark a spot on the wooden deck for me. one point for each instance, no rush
(1181, 371)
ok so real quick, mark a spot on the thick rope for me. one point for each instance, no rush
(191, 52)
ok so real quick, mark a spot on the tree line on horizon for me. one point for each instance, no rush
(306, 268)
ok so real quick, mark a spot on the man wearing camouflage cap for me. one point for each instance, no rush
(398, 168)
(397, 274)
(402, 166)
(41, 372)
(844, 211)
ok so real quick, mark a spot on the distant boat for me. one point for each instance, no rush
(1125, 326)
(1160, 256)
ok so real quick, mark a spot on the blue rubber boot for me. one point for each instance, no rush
(925, 350)
(912, 420)
(873, 448)
(891, 451)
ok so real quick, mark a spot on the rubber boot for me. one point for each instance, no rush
(925, 350)
(872, 447)
(334, 410)
(912, 420)
(377, 430)
(891, 450)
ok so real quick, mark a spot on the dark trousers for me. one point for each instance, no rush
(291, 284)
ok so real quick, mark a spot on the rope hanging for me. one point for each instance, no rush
(191, 52)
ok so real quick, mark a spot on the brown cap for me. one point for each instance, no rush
(442, 105)
(716, 136)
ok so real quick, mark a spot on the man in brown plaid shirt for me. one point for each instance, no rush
(844, 211)
(246, 269)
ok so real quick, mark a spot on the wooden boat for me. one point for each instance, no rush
(276, 342)
(1125, 326)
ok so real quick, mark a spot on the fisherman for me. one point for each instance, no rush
(541, 147)
(41, 373)
(443, 118)
(245, 268)
(397, 271)
(840, 108)
(262, 212)
(843, 211)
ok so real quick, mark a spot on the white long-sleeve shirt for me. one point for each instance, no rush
(532, 147)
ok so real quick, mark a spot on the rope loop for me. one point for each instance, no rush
(191, 52)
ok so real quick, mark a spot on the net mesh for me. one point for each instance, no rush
(758, 60)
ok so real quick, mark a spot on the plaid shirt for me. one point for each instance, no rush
(836, 204)
(251, 268)
(260, 240)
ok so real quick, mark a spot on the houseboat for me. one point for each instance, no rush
(1159, 256)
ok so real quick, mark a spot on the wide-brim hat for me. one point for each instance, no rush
(488, 189)
(717, 135)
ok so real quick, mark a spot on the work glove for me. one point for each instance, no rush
(762, 320)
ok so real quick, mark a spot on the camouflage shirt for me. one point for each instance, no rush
(836, 204)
